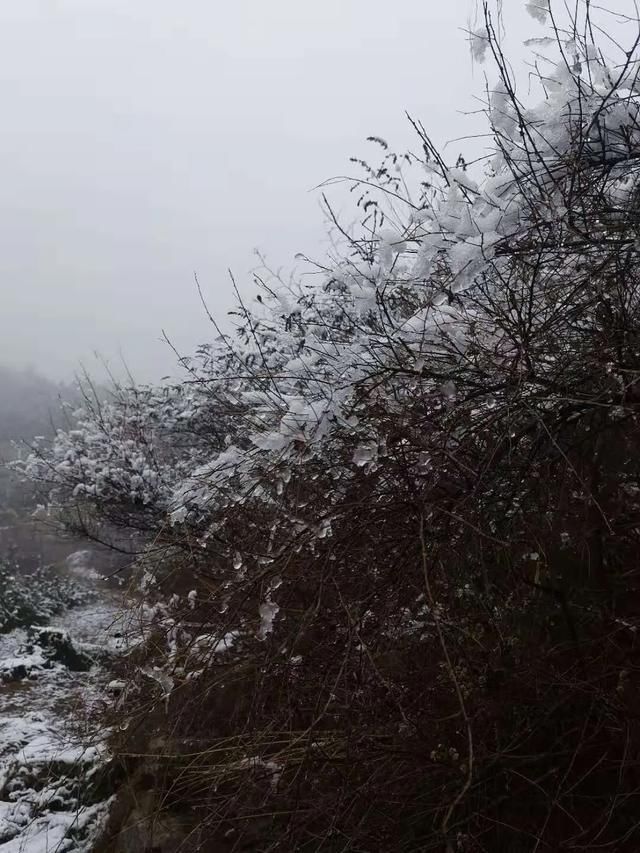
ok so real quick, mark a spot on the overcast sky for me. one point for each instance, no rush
(141, 140)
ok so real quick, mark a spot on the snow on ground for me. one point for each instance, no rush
(51, 752)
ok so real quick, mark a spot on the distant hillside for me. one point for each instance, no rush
(30, 404)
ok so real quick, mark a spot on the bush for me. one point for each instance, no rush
(394, 519)
(32, 598)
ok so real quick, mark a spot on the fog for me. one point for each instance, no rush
(144, 141)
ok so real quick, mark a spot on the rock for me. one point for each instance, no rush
(58, 647)
(27, 663)
(15, 672)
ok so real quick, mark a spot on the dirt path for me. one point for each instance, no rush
(51, 749)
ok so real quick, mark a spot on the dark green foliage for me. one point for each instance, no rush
(33, 598)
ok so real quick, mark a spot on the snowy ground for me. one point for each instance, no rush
(52, 754)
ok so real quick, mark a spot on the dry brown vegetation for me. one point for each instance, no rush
(452, 662)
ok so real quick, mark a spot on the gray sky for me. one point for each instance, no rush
(144, 139)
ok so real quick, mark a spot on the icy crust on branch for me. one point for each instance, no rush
(407, 317)
(321, 369)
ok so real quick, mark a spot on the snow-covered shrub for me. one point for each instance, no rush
(32, 598)
(407, 488)
(51, 798)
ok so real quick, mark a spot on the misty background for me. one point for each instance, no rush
(144, 141)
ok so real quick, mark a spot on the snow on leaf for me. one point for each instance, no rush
(365, 453)
(267, 611)
(479, 43)
(539, 10)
